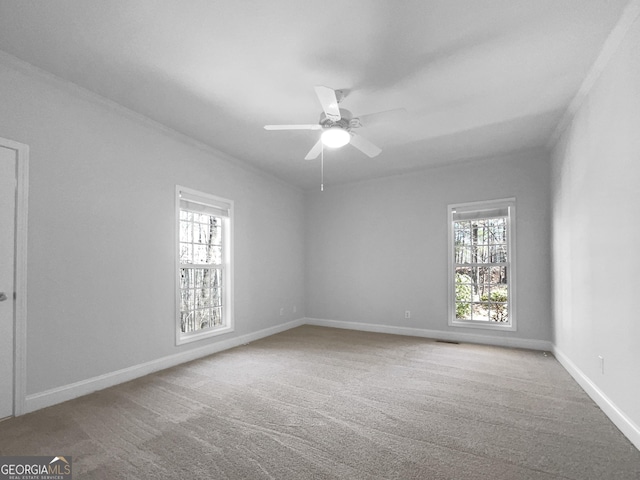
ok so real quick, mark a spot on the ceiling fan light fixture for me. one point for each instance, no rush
(335, 137)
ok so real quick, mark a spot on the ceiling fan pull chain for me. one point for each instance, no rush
(322, 169)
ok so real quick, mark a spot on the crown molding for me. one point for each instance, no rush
(89, 96)
(609, 49)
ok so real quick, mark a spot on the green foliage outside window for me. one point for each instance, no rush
(463, 294)
(499, 311)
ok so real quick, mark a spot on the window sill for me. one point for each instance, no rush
(184, 338)
(483, 325)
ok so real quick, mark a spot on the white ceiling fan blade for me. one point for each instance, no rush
(293, 127)
(380, 117)
(315, 151)
(364, 145)
(329, 102)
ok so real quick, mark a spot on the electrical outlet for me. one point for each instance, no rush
(407, 314)
(601, 358)
(295, 309)
(281, 311)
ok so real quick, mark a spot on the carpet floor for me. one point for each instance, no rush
(321, 403)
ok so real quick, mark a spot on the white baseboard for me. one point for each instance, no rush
(617, 416)
(435, 334)
(61, 394)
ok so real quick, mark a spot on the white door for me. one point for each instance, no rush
(8, 185)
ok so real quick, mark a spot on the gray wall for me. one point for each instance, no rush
(378, 248)
(596, 203)
(101, 253)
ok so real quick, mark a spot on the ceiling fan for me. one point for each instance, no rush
(338, 124)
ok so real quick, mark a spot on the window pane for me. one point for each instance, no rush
(186, 322)
(483, 274)
(499, 230)
(186, 231)
(498, 253)
(464, 292)
(463, 310)
(185, 278)
(484, 292)
(202, 319)
(201, 233)
(199, 254)
(499, 312)
(466, 273)
(207, 254)
(499, 275)
(186, 253)
(197, 279)
(478, 312)
(217, 316)
(207, 278)
(497, 233)
(201, 298)
(215, 255)
(216, 232)
(481, 254)
(216, 297)
(206, 298)
(463, 254)
(186, 297)
(479, 233)
(499, 293)
(217, 278)
(462, 233)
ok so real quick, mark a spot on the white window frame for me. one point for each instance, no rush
(510, 205)
(221, 204)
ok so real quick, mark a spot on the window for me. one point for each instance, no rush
(204, 301)
(481, 269)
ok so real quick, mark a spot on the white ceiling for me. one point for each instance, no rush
(478, 77)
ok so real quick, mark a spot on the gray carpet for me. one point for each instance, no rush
(316, 403)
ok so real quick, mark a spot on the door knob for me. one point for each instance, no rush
(3, 296)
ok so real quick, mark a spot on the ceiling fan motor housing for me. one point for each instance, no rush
(344, 122)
